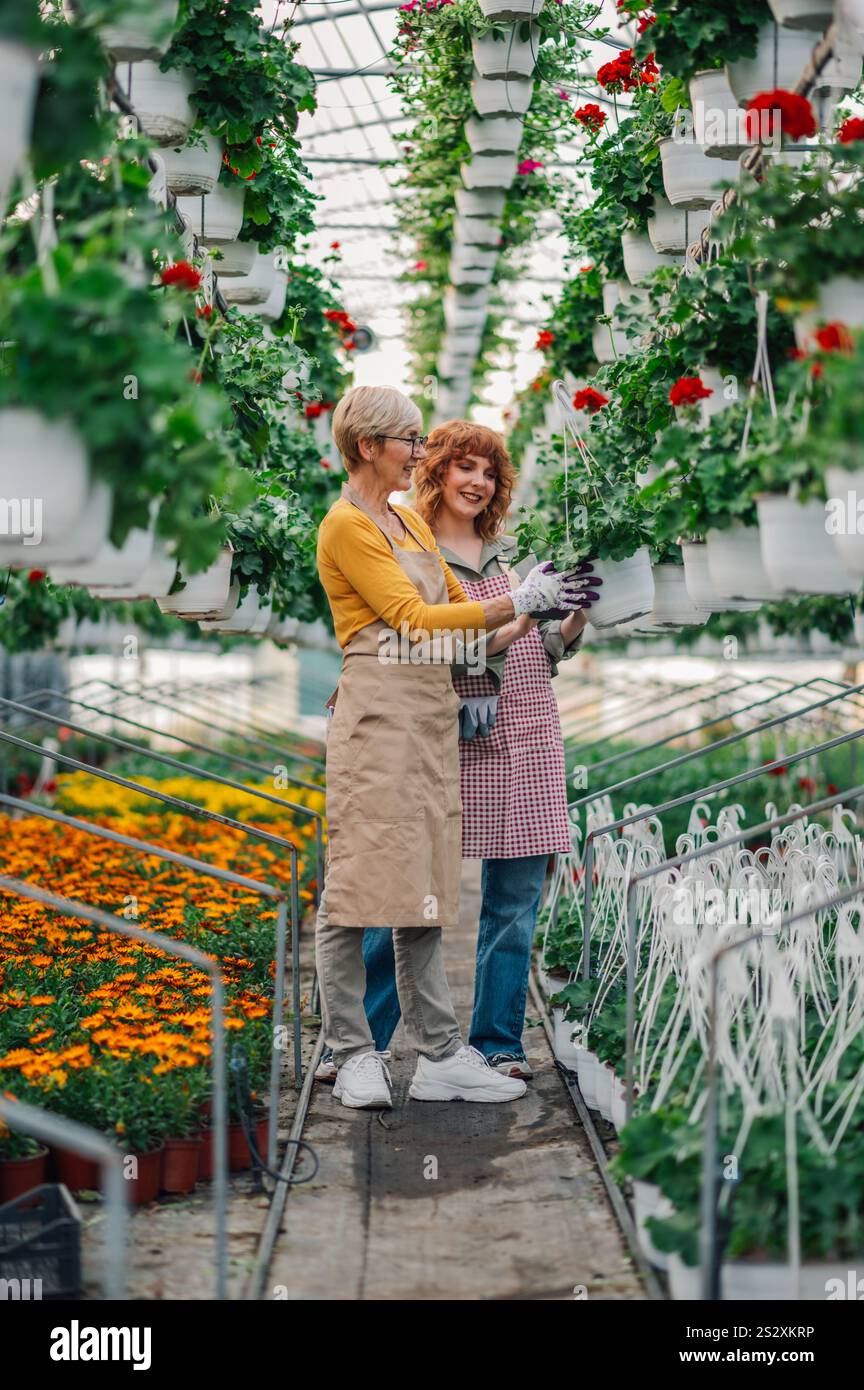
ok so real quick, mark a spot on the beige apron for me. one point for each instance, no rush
(394, 814)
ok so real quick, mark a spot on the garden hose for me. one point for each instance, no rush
(239, 1068)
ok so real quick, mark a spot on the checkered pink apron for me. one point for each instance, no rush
(514, 790)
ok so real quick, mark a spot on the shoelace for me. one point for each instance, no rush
(365, 1067)
(472, 1056)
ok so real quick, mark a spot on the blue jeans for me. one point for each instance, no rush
(511, 890)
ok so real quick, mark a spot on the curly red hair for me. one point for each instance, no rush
(457, 439)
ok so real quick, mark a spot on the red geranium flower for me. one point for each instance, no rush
(796, 354)
(834, 337)
(590, 400)
(334, 245)
(851, 130)
(645, 23)
(205, 312)
(688, 390)
(590, 116)
(325, 463)
(806, 784)
(183, 274)
(795, 112)
(36, 576)
(832, 789)
(350, 345)
(617, 76)
(420, 265)
(313, 410)
(545, 339)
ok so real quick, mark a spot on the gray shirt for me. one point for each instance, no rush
(549, 628)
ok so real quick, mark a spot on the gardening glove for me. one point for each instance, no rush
(544, 589)
(477, 715)
(586, 597)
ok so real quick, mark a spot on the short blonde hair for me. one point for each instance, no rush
(367, 411)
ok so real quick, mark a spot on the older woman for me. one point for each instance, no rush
(393, 803)
(514, 799)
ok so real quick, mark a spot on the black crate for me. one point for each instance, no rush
(42, 1241)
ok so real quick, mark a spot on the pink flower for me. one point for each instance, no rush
(565, 96)
(528, 166)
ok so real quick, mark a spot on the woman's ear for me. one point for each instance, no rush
(366, 449)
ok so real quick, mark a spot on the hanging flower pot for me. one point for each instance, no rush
(216, 217)
(254, 287)
(690, 176)
(274, 304)
(715, 381)
(477, 231)
(244, 617)
(494, 134)
(797, 551)
(802, 14)
(718, 120)
(627, 590)
(649, 1201)
(781, 57)
(467, 257)
(850, 17)
(841, 73)
(841, 300)
(673, 607)
(470, 275)
(193, 169)
(19, 75)
(640, 258)
(735, 564)
(111, 565)
(160, 100)
(480, 202)
(507, 55)
(49, 459)
(490, 171)
(154, 581)
(674, 229)
(700, 586)
(846, 491)
(204, 595)
(497, 97)
(500, 11)
(141, 34)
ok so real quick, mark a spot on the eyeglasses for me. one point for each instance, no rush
(411, 439)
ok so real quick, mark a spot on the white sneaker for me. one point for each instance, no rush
(326, 1068)
(364, 1081)
(466, 1075)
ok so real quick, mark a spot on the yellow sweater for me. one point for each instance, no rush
(363, 580)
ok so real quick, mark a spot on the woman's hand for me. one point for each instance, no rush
(511, 632)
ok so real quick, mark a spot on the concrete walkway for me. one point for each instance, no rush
(452, 1200)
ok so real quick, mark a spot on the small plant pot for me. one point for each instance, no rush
(841, 300)
(802, 14)
(490, 171)
(672, 230)
(586, 1070)
(846, 491)
(274, 304)
(254, 287)
(562, 1042)
(470, 257)
(76, 1172)
(20, 1175)
(134, 37)
(673, 607)
(506, 55)
(480, 202)
(618, 1103)
(494, 134)
(648, 1200)
(217, 217)
(797, 550)
(781, 57)
(640, 258)
(239, 1157)
(718, 120)
(841, 73)
(504, 11)
(627, 591)
(494, 97)
(160, 100)
(204, 595)
(145, 1187)
(180, 1161)
(850, 17)
(243, 617)
(735, 565)
(700, 586)
(19, 78)
(690, 176)
(603, 1078)
(470, 275)
(192, 170)
(476, 231)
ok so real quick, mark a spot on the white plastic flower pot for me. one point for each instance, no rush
(673, 607)
(274, 304)
(685, 1281)
(218, 216)
(850, 17)
(781, 57)
(640, 258)
(841, 73)
(232, 258)
(244, 617)
(562, 1042)
(608, 344)
(702, 589)
(111, 565)
(154, 581)
(494, 134)
(504, 11)
(618, 1103)
(690, 176)
(19, 71)
(755, 1281)
(846, 509)
(506, 55)
(490, 171)
(797, 551)
(718, 120)
(674, 229)
(142, 34)
(480, 202)
(160, 100)
(648, 1200)
(192, 170)
(495, 96)
(253, 288)
(477, 231)
(470, 275)
(735, 565)
(465, 256)
(603, 1078)
(841, 300)
(802, 14)
(204, 595)
(586, 1071)
(724, 392)
(45, 485)
(627, 590)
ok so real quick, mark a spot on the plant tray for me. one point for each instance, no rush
(42, 1242)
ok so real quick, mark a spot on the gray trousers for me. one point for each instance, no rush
(424, 995)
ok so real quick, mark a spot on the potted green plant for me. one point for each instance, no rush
(133, 30)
